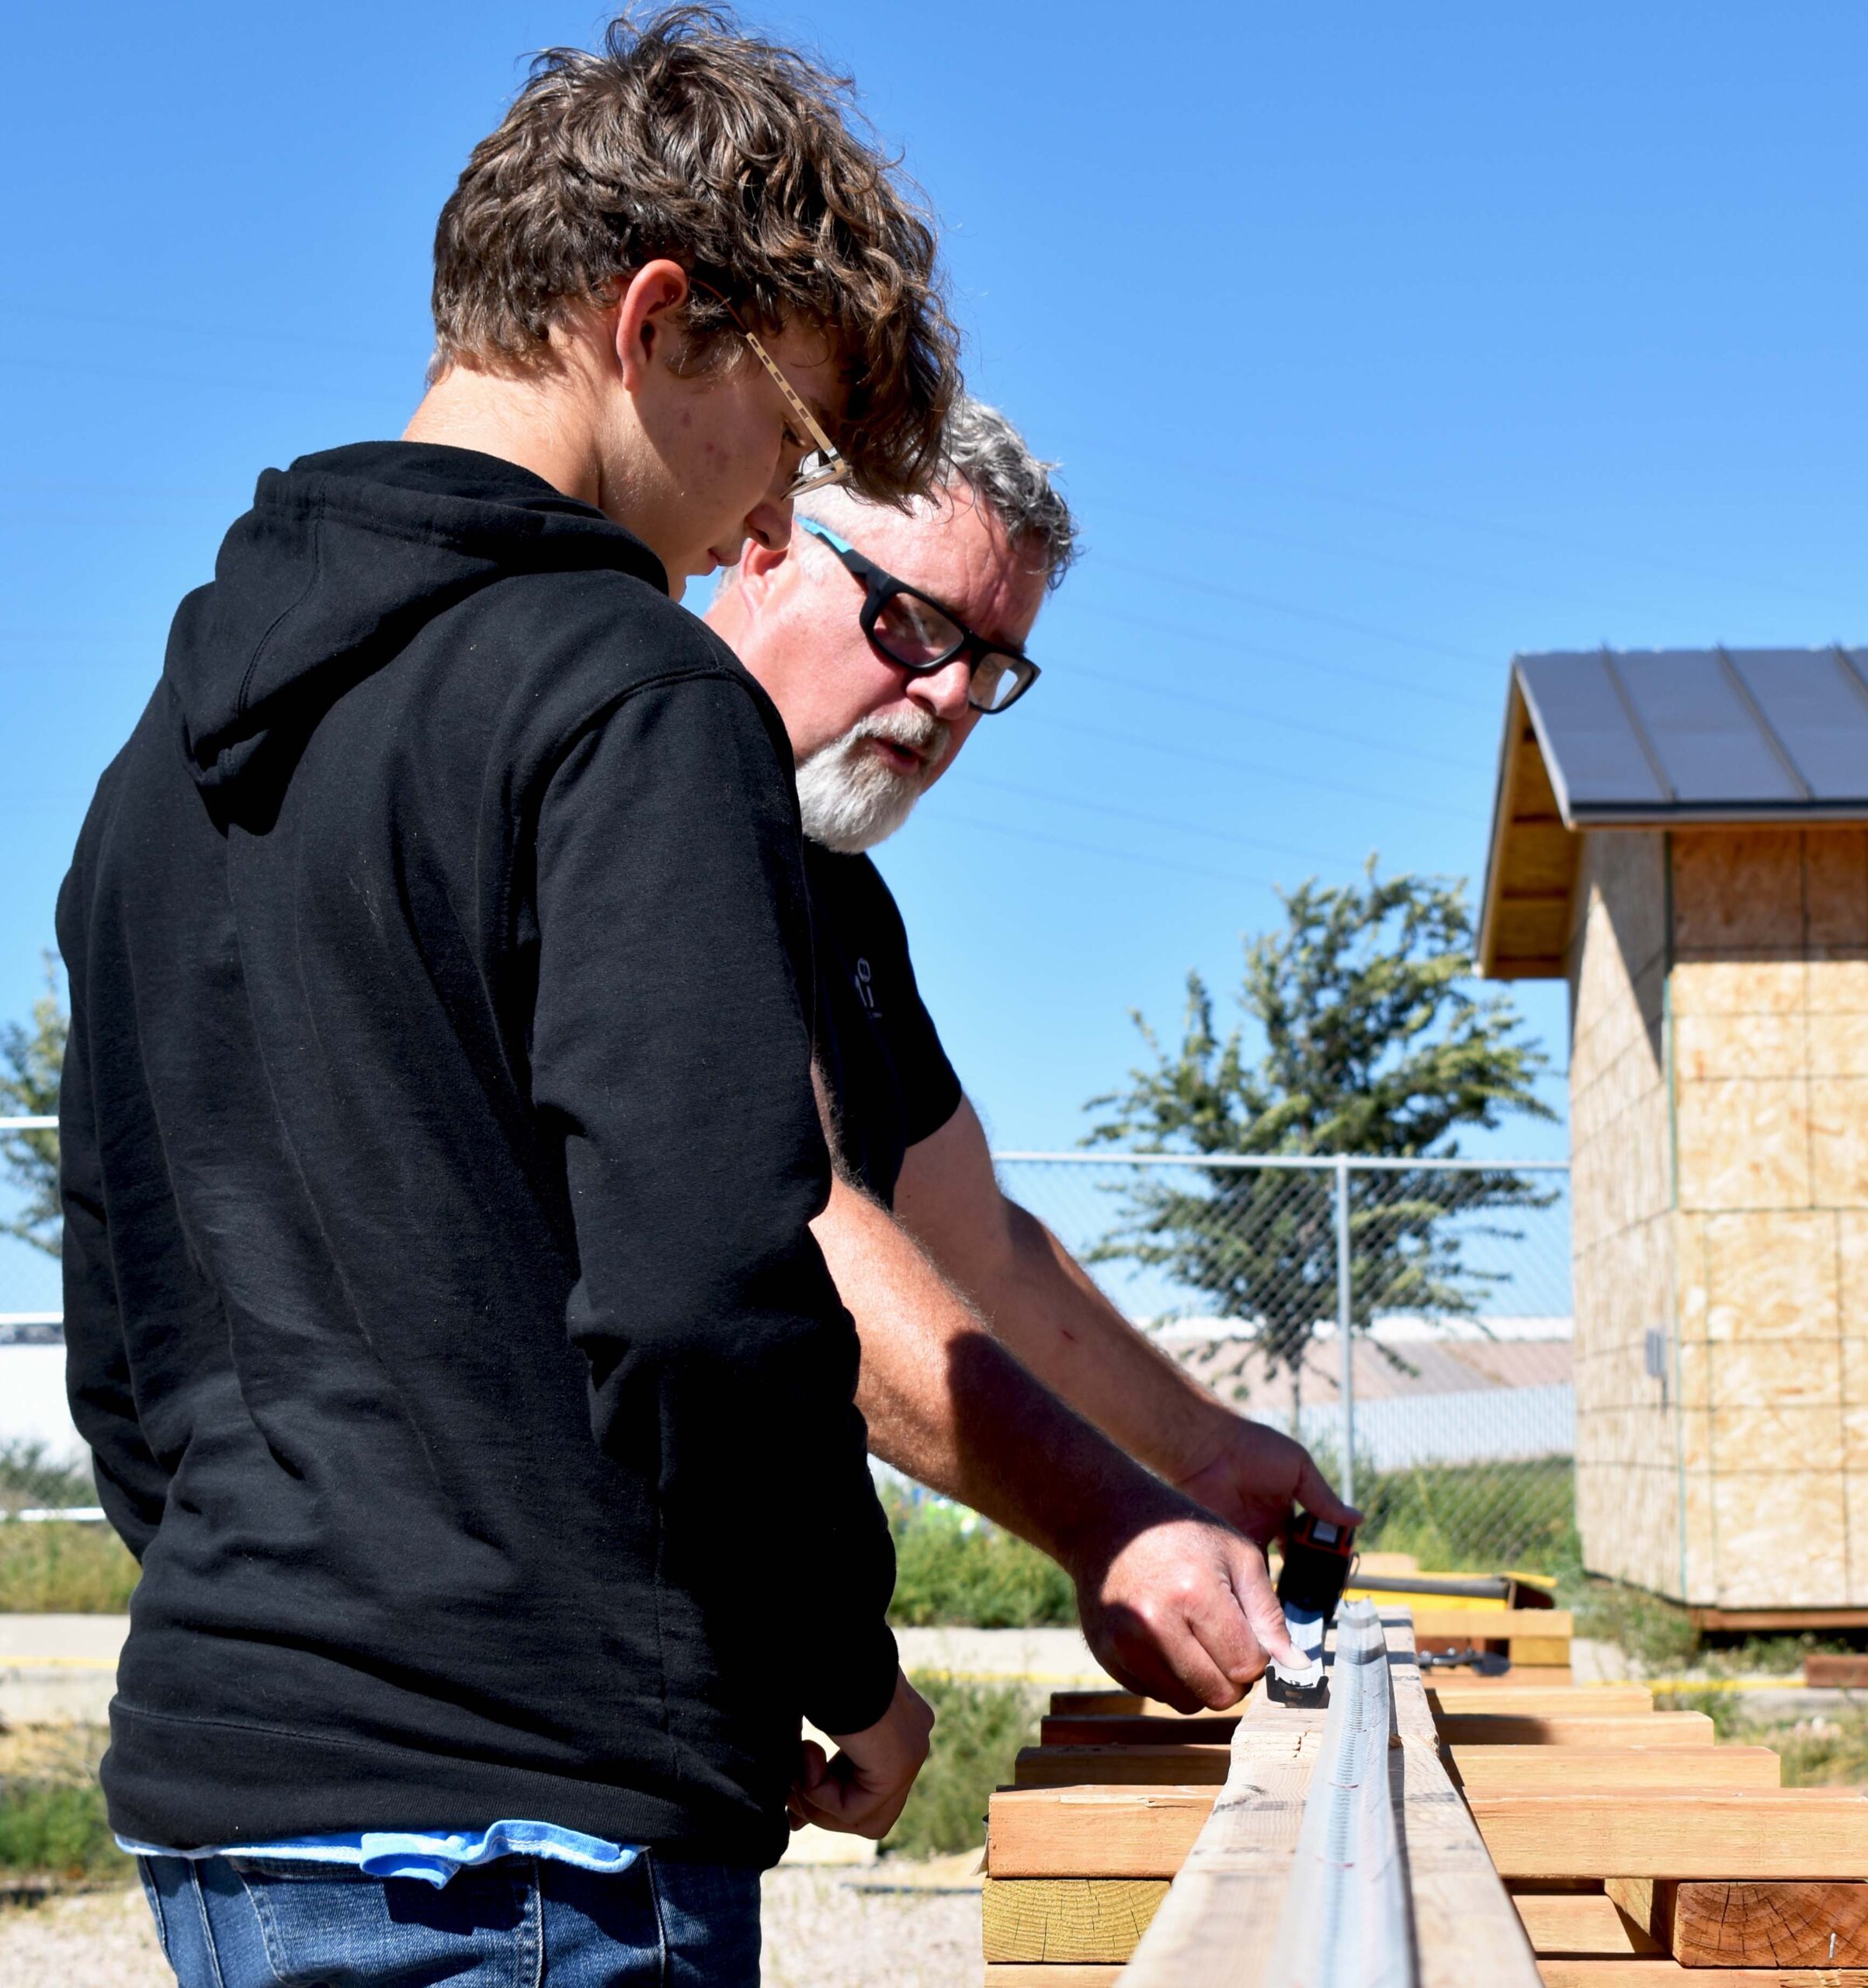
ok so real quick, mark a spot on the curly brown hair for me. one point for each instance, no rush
(688, 138)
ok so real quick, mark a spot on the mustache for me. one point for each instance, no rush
(923, 734)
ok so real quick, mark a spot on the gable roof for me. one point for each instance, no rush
(1655, 738)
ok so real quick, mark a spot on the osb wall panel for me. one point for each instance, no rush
(1621, 1193)
(1768, 994)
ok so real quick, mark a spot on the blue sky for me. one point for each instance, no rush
(1376, 343)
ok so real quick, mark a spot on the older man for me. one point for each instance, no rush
(993, 1369)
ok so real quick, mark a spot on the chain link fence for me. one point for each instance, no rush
(29, 1298)
(1453, 1424)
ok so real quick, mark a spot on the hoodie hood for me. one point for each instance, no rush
(342, 559)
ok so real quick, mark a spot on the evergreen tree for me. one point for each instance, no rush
(1375, 1045)
(31, 1054)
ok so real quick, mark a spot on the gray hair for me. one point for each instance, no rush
(981, 449)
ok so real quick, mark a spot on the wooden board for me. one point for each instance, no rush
(1435, 1625)
(1549, 1670)
(1467, 1929)
(1068, 1704)
(1229, 1903)
(1057, 1919)
(1660, 1728)
(1575, 1700)
(1583, 1925)
(1222, 1916)
(1487, 1766)
(1760, 1621)
(1526, 1652)
(1781, 1923)
(1024, 1974)
(1748, 1833)
(1847, 1673)
(1095, 1832)
(1068, 1767)
(1496, 1769)
(1670, 1974)
(1070, 1727)
(1124, 1729)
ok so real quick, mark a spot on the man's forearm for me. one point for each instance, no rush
(1174, 1605)
(1043, 1307)
(951, 1407)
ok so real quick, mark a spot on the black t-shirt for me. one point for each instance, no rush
(886, 1070)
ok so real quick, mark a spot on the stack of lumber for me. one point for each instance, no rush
(1629, 1847)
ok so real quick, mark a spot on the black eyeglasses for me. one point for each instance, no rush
(915, 632)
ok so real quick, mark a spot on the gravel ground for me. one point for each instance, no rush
(820, 1933)
(95, 1940)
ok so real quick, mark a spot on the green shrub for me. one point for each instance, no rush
(30, 1475)
(55, 1829)
(978, 1729)
(64, 1569)
(1824, 1753)
(951, 1567)
(1658, 1635)
(1475, 1517)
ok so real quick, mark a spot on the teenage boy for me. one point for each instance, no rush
(439, 1140)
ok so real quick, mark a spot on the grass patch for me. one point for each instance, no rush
(47, 1830)
(978, 1729)
(1656, 1634)
(62, 1568)
(1476, 1518)
(952, 1567)
(52, 1821)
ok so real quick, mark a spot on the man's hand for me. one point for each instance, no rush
(1182, 1609)
(1250, 1476)
(864, 1788)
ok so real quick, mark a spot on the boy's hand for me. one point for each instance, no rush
(863, 1789)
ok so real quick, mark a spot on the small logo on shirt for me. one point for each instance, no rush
(865, 993)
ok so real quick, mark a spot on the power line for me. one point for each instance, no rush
(1091, 848)
(1257, 652)
(1234, 528)
(269, 337)
(293, 389)
(1150, 821)
(1266, 717)
(1184, 751)
(1264, 601)
(1227, 476)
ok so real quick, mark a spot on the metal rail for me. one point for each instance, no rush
(1345, 1922)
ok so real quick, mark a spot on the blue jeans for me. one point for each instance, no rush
(247, 1922)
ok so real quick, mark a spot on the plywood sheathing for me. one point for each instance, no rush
(1718, 1079)
(1769, 993)
(1628, 1489)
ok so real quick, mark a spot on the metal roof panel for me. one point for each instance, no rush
(1591, 747)
(1703, 729)
(1817, 706)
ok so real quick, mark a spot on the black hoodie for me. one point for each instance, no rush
(439, 1148)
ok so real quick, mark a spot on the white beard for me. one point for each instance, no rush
(851, 798)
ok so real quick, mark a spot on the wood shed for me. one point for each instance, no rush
(1682, 836)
